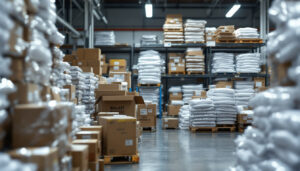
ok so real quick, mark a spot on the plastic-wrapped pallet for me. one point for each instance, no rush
(105, 38)
(81, 118)
(223, 62)
(244, 91)
(194, 31)
(151, 96)
(189, 90)
(224, 103)
(184, 117)
(149, 40)
(88, 96)
(61, 70)
(248, 63)
(149, 67)
(78, 80)
(246, 33)
(202, 113)
(194, 60)
(173, 29)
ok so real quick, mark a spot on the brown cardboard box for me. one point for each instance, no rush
(39, 125)
(94, 166)
(109, 87)
(17, 67)
(259, 82)
(26, 93)
(194, 53)
(122, 76)
(104, 68)
(119, 135)
(89, 54)
(80, 156)
(146, 115)
(200, 94)
(224, 84)
(176, 58)
(93, 147)
(87, 69)
(175, 68)
(117, 68)
(103, 57)
(117, 62)
(244, 119)
(173, 110)
(72, 91)
(69, 58)
(170, 123)
(133, 93)
(88, 135)
(109, 93)
(45, 158)
(175, 96)
(101, 165)
(54, 92)
(122, 104)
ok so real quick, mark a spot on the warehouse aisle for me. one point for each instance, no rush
(181, 150)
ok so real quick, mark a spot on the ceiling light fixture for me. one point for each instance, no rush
(149, 9)
(233, 10)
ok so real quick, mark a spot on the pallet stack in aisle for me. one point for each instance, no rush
(176, 63)
(194, 31)
(173, 29)
(146, 115)
(225, 34)
(194, 61)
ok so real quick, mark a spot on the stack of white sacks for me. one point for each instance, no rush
(149, 67)
(223, 62)
(81, 118)
(273, 143)
(244, 91)
(194, 31)
(194, 63)
(184, 117)
(88, 96)
(224, 103)
(149, 40)
(189, 90)
(203, 113)
(248, 63)
(246, 33)
(61, 70)
(9, 164)
(105, 38)
(78, 80)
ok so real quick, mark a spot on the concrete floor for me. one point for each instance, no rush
(172, 150)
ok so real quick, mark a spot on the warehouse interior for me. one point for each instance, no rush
(117, 85)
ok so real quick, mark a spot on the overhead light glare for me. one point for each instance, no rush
(149, 10)
(233, 10)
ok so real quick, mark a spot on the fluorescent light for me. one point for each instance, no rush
(149, 10)
(233, 10)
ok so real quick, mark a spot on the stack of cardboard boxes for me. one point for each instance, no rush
(104, 65)
(176, 63)
(172, 121)
(173, 29)
(146, 115)
(120, 77)
(117, 65)
(89, 60)
(225, 34)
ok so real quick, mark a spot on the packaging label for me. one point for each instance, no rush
(73, 95)
(198, 93)
(173, 68)
(258, 84)
(176, 60)
(167, 44)
(129, 142)
(116, 63)
(228, 86)
(86, 137)
(211, 43)
(143, 111)
(172, 65)
(149, 110)
(116, 67)
(175, 94)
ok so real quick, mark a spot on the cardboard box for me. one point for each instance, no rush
(119, 135)
(194, 53)
(117, 68)
(72, 91)
(200, 94)
(170, 123)
(175, 96)
(109, 93)
(26, 93)
(80, 156)
(175, 68)
(176, 57)
(101, 165)
(133, 93)
(224, 84)
(93, 148)
(109, 87)
(244, 119)
(69, 58)
(146, 115)
(104, 68)
(89, 54)
(118, 62)
(122, 104)
(259, 82)
(94, 166)
(173, 110)
(17, 67)
(45, 158)
(88, 135)
(122, 77)
(87, 69)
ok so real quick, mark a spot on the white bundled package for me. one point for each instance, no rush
(246, 33)
(78, 79)
(175, 89)
(224, 103)
(149, 67)
(149, 40)
(244, 91)
(105, 38)
(223, 63)
(184, 117)
(81, 118)
(9, 164)
(194, 31)
(88, 96)
(248, 63)
(202, 113)
(189, 90)
(150, 96)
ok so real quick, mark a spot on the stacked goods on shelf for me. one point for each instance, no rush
(105, 38)
(88, 94)
(174, 107)
(224, 84)
(244, 91)
(78, 80)
(189, 91)
(104, 65)
(117, 65)
(176, 63)
(184, 117)
(194, 31)
(225, 34)
(259, 83)
(149, 40)
(173, 29)
(150, 95)
(175, 93)
(210, 34)
(223, 63)
(224, 103)
(194, 61)
(248, 63)
(247, 34)
(203, 113)
(121, 77)
(149, 67)
(273, 141)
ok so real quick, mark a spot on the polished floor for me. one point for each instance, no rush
(172, 150)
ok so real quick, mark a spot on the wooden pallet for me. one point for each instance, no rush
(175, 42)
(177, 72)
(170, 128)
(226, 41)
(194, 42)
(121, 159)
(149, 85)
(226, 127)
(249, 41)
(203, 129)
(151, 129)
(195, 72)
(173, 30)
